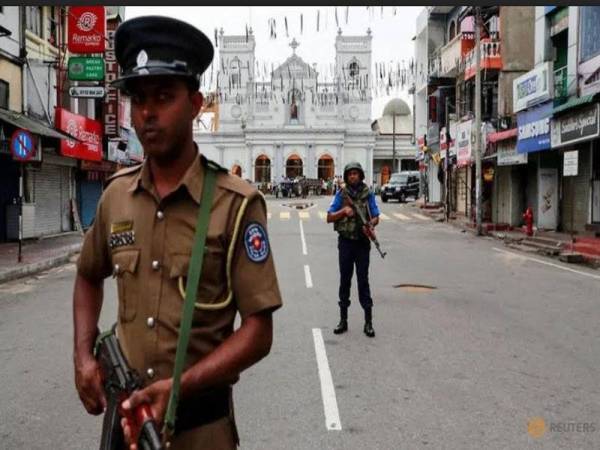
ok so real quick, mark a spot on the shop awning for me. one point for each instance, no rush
(32, 125)
(502, 135)
(573, 102)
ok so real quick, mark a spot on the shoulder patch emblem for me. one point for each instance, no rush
(256, 242)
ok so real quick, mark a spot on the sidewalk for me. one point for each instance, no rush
(38, 255)
(585, 247)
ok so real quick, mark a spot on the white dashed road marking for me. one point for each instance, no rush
(401, 216)
(420, 216)
(330, 407)
(284, 215)
(304, 251)
(307, 277)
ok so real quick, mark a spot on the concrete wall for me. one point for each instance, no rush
(11, 73)
(517, 34)
(10, 19)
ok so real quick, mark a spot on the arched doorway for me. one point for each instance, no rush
(293, 167)
(236, 170)
(385, 174)
(325, 167)
(262, 169)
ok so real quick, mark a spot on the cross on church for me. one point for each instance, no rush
(294, 44)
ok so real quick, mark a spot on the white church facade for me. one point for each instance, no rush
(295, 124)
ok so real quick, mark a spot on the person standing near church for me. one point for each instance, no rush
(353, 245)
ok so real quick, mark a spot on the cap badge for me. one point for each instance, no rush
(142, 58)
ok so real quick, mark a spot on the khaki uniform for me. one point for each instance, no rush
(145, 242)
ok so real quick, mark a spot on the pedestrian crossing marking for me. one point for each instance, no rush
(269, 215)
(420, 216)
(304, 214)
(401, 216)
(323, 215)
(383, 216)
(284, 215)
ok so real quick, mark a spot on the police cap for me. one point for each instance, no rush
(157, 45)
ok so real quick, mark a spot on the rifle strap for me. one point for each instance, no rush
(193, 279)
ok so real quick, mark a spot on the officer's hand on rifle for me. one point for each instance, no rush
(88, 381)
(348, 211)
(374, 221)
(156, 396)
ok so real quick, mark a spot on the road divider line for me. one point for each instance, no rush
(302, 238)
(284, 215)
(330, 407)
(420, 216)
(307, 277)
(546, 263)
(401, 216)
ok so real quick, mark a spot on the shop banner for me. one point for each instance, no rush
(533, 87)
(88, 131)
(111, 101)
(508, 156)
(581, 125)
(87, 29)
(463, 143)
(533, 126)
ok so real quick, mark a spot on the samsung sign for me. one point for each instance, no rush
(532, 88)
(534, 129)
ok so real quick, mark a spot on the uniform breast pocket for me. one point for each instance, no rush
(213, 280)
(125, 268)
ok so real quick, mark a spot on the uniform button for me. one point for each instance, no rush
(116, 269)
(155, 265)
(160, 215)
(150, 322)
(150, 372)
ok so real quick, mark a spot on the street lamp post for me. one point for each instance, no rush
(394, 143)
(478, 122)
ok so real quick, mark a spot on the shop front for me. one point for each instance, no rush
(541, 175)
(575, 136)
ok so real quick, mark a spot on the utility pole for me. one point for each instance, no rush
(446, 163)
(478, 121)
(394, 143)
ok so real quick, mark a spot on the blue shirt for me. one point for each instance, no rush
(338, 201)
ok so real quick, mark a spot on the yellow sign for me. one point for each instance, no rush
(536, 427)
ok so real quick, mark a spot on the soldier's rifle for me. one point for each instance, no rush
(367, 227)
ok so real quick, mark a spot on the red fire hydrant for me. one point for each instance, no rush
(528, 217)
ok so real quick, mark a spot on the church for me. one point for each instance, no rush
(295, 123)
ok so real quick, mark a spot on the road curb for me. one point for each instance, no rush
(33, 268)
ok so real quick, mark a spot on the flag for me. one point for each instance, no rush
(337, 23)
(347, 12)
(286, 27)
(318, 16)
(301, 23)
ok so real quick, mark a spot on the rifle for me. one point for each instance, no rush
(367, 228)
(119, 382)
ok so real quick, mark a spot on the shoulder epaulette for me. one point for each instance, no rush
(213, 165)
(122, 172)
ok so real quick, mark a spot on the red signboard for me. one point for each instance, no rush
(87, 29)
(88, 131)
(111, 100)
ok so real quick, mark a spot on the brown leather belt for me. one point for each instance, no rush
(203, 408)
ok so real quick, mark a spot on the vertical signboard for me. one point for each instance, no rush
(111, 101)
(87, 29)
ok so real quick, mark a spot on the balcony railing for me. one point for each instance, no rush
(560, 83)
(450, 56)
(491, 57)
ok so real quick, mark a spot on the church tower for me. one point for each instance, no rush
(353, 78)
(236, 78)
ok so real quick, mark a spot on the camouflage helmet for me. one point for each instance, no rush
(354, 165)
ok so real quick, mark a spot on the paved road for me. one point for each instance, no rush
(502, 339)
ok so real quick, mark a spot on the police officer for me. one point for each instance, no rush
(353, 245)
(143, 236)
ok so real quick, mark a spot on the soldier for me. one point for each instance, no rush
(143, 235)
(353, 245)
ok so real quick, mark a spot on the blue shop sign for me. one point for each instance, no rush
(534, 129)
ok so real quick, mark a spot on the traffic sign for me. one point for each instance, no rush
(87, 91)
(83, 68)
(21, 145)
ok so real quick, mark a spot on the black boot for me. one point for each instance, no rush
(342, 327)
(368, 329)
